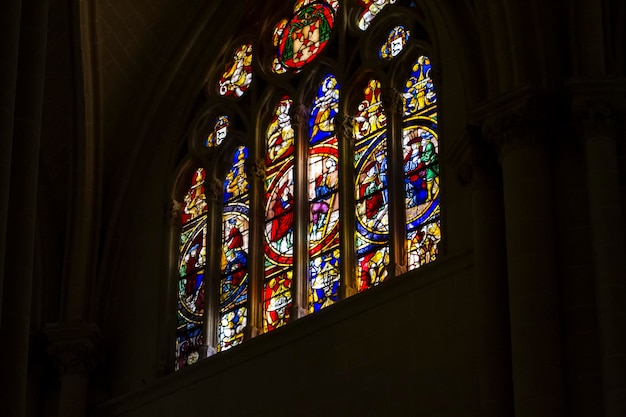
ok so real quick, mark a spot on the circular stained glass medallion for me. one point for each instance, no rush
(305, 35)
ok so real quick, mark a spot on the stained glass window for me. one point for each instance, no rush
(301, 38)
(371, 8)
(191, 264)
(421, 166)
(396, 40)
(323, 182)
(218, 133)
(305, 210)
(238, 75)
(370, 164)
(279, 217)
(234, 262)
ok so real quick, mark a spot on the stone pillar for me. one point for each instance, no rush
(536, 346)
(491, 288)
(256, 256)
(394, 106)
(76, 351)
(301, 271)
(608, 248)
(168, 292)
(10, 18)
(20, 222)
(213, 191)
(344, 125)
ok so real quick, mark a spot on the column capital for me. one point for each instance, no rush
(345, 126)
(596, 118)
(74, 347)
(213, 189)
(393, 101)
(519, 119)
(173, 211)
(476, 160)
(257, 169)
(300, 116)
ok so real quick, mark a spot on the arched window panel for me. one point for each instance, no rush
(323, 184)
(395, 43)
(279, 218)
(371, 188)
(234, 260)
(301, 38)
(238, 74)
(191, 268)
(370, 9)
(421, 166)
(218, 133)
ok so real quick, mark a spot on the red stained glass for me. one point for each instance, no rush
(301, 38)
(421, 166)
(238, 75)
(191, 264)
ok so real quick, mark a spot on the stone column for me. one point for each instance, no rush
(213, 191)
(301, 272)
(600, 132)
(256, 179)
(10, 19)
(76, 351)
(536, 345)
(168, 292)
(491, 289)
(344, 125)
(393, 102)
(20, 222)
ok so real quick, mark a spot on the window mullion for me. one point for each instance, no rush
(393, 106)
(301, 223)
(348, 285)
(257, 224)
(214, 193)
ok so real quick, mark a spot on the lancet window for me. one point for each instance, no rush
(326, 160)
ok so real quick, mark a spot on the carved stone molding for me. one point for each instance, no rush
(596, 119)
(395, 269)
(300, 116)
(598, 107)
(345, 126)
(520, 120)
(74, 348)
(393, 101)
(257, 169)
(174, 211)
(213, 189)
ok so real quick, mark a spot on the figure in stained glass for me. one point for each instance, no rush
(324, 280)
(218, 133)
(236, 182)
(396, 40)
(191, 263)
(421, 166)
(234, 260)
(370, 162)
(280, 134)
(194, 201)
(370, 115)
(325, 108)
(278, 300)
(324, 185)
(419, 91)
(371, 8)
(372, 268)
(300, 39)
(282, 223)
(238, 75)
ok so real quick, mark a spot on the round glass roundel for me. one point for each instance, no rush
(305, 35)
